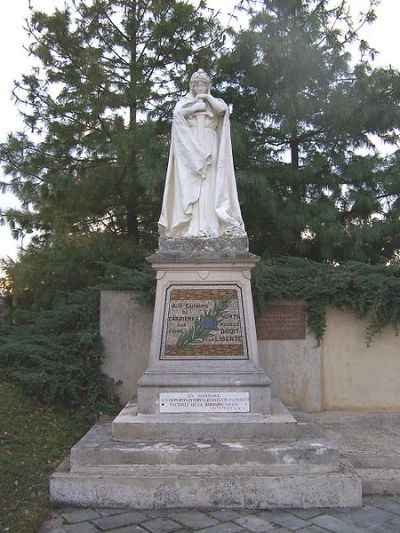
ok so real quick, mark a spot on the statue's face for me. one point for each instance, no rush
(200, 87)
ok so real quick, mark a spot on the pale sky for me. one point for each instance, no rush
(383, 35)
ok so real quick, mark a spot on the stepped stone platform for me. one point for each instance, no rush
(271, 461)
(370, 440)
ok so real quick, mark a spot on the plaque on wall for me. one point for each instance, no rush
(203, 322)
(282, 321)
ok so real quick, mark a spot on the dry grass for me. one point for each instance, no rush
(33, 441)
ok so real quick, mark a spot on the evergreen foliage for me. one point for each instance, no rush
(48, 272)
(93, 153)
(308, 128)
(56, 353)
(372, 291)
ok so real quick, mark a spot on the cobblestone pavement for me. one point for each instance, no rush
(380, 514)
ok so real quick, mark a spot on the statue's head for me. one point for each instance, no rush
(200, 80)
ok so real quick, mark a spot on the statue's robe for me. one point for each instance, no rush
(200, 150)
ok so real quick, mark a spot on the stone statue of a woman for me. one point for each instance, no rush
(200, 196)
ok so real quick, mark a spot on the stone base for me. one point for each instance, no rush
(217, 248)
(129, 425)
(226, 377)
(98, 449)
(207, 487)
(204, 462)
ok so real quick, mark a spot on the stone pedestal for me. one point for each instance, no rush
(205, 431)
(204, 353)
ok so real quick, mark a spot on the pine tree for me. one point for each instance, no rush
(93, 152)
(308, 127)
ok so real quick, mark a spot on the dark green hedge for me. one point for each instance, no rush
(56, 353)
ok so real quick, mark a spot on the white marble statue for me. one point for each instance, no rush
(200, 195)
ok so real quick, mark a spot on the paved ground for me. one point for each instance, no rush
(378, 514)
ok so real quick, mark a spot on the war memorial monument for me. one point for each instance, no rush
(205, 430)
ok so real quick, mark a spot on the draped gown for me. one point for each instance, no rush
(200, 195)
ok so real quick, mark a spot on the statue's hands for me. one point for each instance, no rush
(217, 106)
(199, 106)
(203, 97)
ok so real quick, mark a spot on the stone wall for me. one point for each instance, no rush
(340, 373)
(125, 326)
(295, 369)
(356, 376)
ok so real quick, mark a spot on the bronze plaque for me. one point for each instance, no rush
(203, 322)
(282, 321)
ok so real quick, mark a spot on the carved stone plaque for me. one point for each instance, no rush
(203, 322)
(204, 402)
(282, 321)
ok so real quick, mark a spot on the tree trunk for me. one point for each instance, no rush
(294, 151)
(132, 223)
